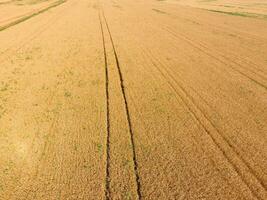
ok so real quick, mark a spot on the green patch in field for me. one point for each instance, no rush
(127, 195)
(226, 6)
(85, 166)
(36, 1)
(241, 14)
(6, 170)
(67, 94)
(4, 87)
(99, 147)
(2, 112)
(95, 82)
(126, 162)
(159, 11)
(70, 72)
(207, 0)
(28, 58)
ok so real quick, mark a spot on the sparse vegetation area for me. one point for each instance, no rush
(133, 100)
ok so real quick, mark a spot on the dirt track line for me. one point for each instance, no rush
(31, 15)
(229, 30)
(137, 178)
(107, 183)
(8, 53)
(219, 53)
(16, 17)
(205, 51)
(197, 113)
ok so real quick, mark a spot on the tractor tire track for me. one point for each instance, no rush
(182, 101)
(221, 61)
(107, 183)
(202, 119)
(137, 177)
(220, 28)
(10, 20)
(202, 45)
(205, 102)
(2, 28)
(9, 53)
(212, 131)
